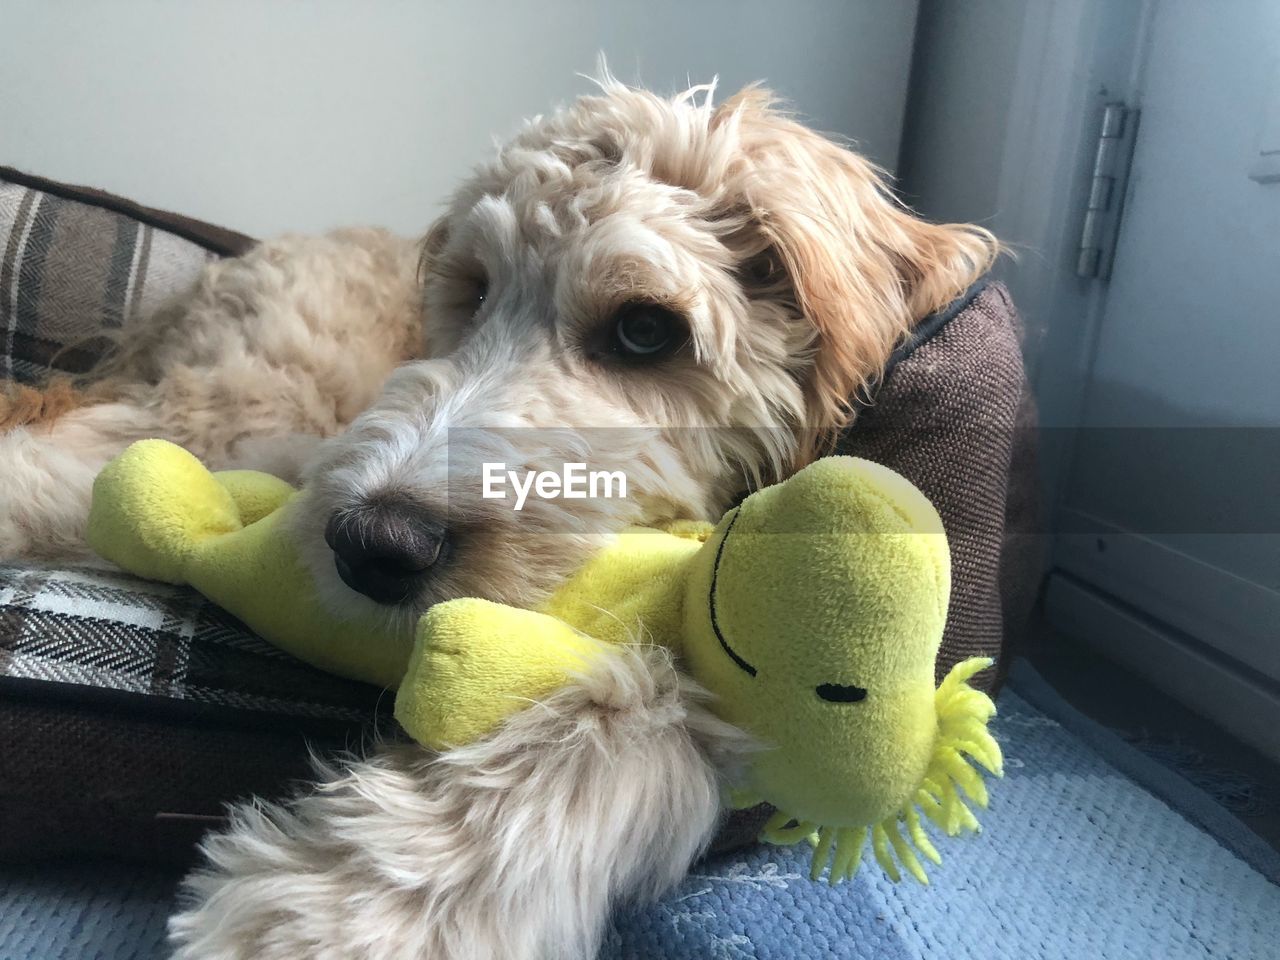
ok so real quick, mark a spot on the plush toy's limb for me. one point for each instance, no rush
(255, 494)
(153, 505)
(257, 575)
(158, 513)
(476, 662)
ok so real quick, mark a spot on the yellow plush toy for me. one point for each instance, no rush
(813, 613)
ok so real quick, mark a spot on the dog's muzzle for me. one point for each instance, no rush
(386, 550)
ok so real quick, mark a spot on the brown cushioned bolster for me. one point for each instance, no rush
(219, 240)
(78, 781)
(955, 417)
(154, 708)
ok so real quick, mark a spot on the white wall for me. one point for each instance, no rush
(271, 115)
(963, 84)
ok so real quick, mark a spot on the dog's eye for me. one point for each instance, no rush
(645, 331)
(463, 290)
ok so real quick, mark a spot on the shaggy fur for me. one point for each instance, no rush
(269, 353)
(794, 273)
(24, 406)
(512, 848)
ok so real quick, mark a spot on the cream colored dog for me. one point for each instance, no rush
(694, 292)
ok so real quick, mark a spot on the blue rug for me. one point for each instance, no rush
(1091, 850)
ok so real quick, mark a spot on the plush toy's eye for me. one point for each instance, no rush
(840, 692)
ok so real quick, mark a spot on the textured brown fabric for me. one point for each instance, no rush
(955, 417)
(77, 780)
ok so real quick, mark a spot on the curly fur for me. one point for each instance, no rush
(268, 354)
(24, 406)
(514, 847)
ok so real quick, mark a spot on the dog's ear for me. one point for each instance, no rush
(860, 267)
(431, 245)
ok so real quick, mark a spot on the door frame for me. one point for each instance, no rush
(1214, 660)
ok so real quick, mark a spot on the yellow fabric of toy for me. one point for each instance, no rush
(477, 662)
(158, 513)
(812, 612)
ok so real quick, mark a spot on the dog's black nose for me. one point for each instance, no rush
(385, 550)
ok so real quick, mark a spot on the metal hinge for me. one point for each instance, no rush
(1107, 187)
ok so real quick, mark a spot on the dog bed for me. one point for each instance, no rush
(132, 711)
(1090, 849)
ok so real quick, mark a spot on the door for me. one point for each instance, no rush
(1167, 546)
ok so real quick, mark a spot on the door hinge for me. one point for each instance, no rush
(1108, 182)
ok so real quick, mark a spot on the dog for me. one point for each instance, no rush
(695, 292)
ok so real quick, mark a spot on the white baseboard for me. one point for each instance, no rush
(1246, 707)
(1233, 614)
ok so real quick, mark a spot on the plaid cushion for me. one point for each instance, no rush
(101, 630)
(69, 271)
(130, 711)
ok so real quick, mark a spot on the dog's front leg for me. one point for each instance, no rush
(515, 847)
(47, 466)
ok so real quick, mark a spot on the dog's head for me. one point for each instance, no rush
(689, 294)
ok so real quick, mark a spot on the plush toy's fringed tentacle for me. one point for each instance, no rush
(960, 818)
(822, 852)
(964, 776)
(783, 829)
(900, 841)
(983, 749)
(963, 739)
(851, 841)
(880, 848)
(840, 849)
(956, 682)
(906, 856)
(928, 802)
(916, 832)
